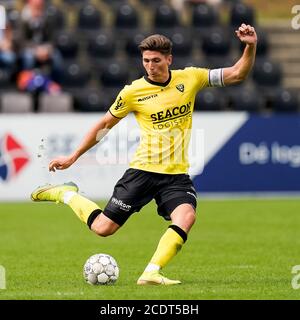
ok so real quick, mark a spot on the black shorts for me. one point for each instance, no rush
(137, 187)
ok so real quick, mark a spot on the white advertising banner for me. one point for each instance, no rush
(29, 141)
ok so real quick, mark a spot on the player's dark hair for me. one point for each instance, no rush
(156, 42)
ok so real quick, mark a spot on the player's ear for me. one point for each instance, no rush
(170, 59)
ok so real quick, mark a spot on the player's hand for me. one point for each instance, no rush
(246, 34)
(60, 163)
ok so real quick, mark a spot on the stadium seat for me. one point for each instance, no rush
(184, 62)
(285, 101)
(5, 78)
(114, 4)
(74, 3)
(241, 13)
(182, 49)
(126, 17)
(92, 100)
(115, 74)
(244, 99)
(151, 3)
(132, 44)
(67, 44)
(56, 17)
(16, 102)
(209, 100)
(267, 73)
(215, 62)
(204, 16)
(75, 75)
(134, 54)
(165, 19)
(101, 45)
(89, 18)
(182, 43)
(55, 103)
(216, 43)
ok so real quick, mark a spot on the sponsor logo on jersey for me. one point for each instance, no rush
(119, 104)
(13, 157)
(148, 97)
(180, 87)
(172, 113)
(121, 204)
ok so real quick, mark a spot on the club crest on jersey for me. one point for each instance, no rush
(180, 87)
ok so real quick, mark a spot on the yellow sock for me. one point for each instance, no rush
(82, 206)
(168, 246)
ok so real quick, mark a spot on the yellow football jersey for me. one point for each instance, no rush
(164, 114)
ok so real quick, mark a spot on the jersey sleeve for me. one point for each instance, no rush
(122, 106)
(207, 77)
(200, 76)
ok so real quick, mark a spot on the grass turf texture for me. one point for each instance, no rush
(236, 250)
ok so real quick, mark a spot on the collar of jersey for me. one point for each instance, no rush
(162, 84)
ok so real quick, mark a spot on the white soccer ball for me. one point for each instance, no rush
(101, 269)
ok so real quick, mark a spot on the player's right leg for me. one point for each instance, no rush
(86, 210)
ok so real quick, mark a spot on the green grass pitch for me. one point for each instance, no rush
(238, 249)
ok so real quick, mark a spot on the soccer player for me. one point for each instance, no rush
(162, 102)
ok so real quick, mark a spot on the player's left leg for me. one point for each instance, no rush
(183, 218)
(177, 201)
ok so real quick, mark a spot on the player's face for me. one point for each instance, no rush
(157, 65)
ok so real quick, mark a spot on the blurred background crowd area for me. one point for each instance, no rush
(67, 56)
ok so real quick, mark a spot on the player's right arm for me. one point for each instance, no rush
(92, 138)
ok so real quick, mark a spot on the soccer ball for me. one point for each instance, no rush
(101, 269)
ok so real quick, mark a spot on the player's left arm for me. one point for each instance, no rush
(240, 71)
